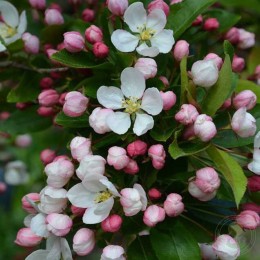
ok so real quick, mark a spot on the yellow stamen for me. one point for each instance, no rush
(7, 31)
(131, 105)
(147, 34)
(103, 196)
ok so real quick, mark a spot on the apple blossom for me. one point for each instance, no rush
(147, 67)
(100, 50)
(35, 197)
(149, 29)
(136, 148)
(169, 99)
(79, 212)
(173, 205)
(73, 42)
(215, 58)
(158, 155)
(207, 252)
(93, 34)
(23, 140)
(232, 35)
(117, 157)
(48, 97)
(187, 115)
(134, 99)
(88, 15)
(198, 20)
(253, 183)
(211, 24)
(38, 4)
(58, 224)
(248, 219)
(158, 4)
(153, 214)
(47, 156)
(238, 64)
(181, 50)
(80, 147)
(112, 252)
(245, 98)
(46, 111)
(254, 166)
(53, 16)
(83, 241)
(46, 83)
(112, 223)
(246, 39)
(251, 206)
(132, 167)
(154, 194)
(26, 238)
(31, 43)
(117, 7)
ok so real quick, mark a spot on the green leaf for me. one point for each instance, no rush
(229, 49)
(79, 60)
(231, 170)
(27, 90)
(106, 140)
(15, 46)
(248, 85)
(92, 84)
(53, 33)
(176, 242)
(72, 122)
(253, 59)
(249, 4)
(25, 121)
(183, 14)
(184, 78)
(218, 93)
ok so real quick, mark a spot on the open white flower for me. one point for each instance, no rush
(254, 166)
(12, 26)
(149, 33)
(96, 193)
(134, 99)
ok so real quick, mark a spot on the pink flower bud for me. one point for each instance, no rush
(147, 67)
(204, 128)
(181, 50)
(211, 24)
(243, 123)
(238, 64)
(133, 200)
(21, 105)
(35, 197)
(112, 223)
(117, 7)
(159, 4)
(46, 111)
(257, 72)
(204, 73)
(173, 2)
(173, 205)
(157, 154)
(61, 157)
(59, 224)
(83, 241)
(199, 194)
(53, 16)
(100, 50)
(47, 156)
(23, 140)
(226, 247)
(88, 15)
(153, 214)
(207, 252)
(31, 43)
(132, 167)
(62, 98)
(218, 61)
(251, 206)
(248, 219)
(164, 80)
(3, 187)
(80, 147)
(38, 4)
(198, 20)
(246, 99)
(154, 194)
(226, 104)
(49, 53)
(94, 34)
(61, 46)
(136, 148)
(73, 41)
(75, 104)
(117, 157)
(112, 252)
(26, 238)
(4, 115)
(187, 115)
(232, 35)
(169, 99)
(46, 83)
(56, 7)
(253, 183)
(98, 120)
(79, 212)
(246, 39)
(48, 97)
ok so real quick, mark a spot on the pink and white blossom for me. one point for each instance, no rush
(112, 223)
(83, 241)
(254, 166)
(112, 252)
(153, 214)
(59, 224)
(173, 205)
(80, 147)
(147, 67)
(117, 157)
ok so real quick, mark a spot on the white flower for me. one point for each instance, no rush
(96, 194)
(12, 26)
(149, 33)
(254, 166)
(134, 99)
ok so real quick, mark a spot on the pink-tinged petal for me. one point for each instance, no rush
(110, 97)
(38, 254)
(142, 195)
(98, 213)
(9, 14)
(133, 83)
(152, 101)
(92, 183)
(156, 20)
(65, 249)
(22, 23)
(80, 197)
(38, 225)
(119, 122)
(163, 41)
(124, 41)
(135, 16)
(145, 50)
(143, 123)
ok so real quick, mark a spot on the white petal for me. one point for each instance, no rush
(133, 83)
(92, 183)
(142, 195)
(257, 140)
(23, 23)
(27, 220)
(119, 122)
(156, 20)
(135, 16)
(145, 50)
(38, 225)
(2, 47)
(12, 39)
(38, 255)
(111, 187)
(152, 102)
(55, 251)
(9, 14)
(98, 213)
(110, 97)
(65, 249)
(143, 123)
(163, 41)
(124, 41)
(78, 195)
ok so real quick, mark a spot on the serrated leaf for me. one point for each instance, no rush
(248, 85)
(72, 122)
(79, 60)
(183, 14)
(231, 170)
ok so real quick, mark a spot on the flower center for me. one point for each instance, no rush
(131, 105)
(146, 34)
(103, 196)
(7, 31)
